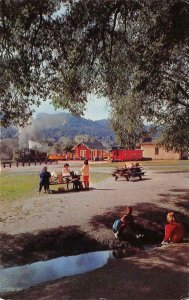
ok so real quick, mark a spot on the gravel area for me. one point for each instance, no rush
(81, 221)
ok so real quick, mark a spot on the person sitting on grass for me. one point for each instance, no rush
(118, 226)
(125, 228)
(44, 180)
(174, 230)
(129, 219)
(126, 221)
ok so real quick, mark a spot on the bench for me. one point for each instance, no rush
(127, 173)
(77, 183)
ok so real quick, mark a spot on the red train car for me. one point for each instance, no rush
(126, 155)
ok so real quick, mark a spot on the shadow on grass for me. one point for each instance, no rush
(178, 198)
(137, 180)
(46, 244)
(150, 219)
(134, 179)
(63, 191)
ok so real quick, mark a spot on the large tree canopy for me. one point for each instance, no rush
(134, 52)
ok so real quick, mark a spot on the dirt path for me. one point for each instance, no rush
(48, 226)
(161, 190)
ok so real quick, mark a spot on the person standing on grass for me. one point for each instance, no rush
(85, 173)
(44, 180)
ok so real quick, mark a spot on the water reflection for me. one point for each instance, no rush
(17, 278)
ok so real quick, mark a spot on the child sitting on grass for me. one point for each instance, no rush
(124, 228)
(118, 226)
(126, 221)
(174, 230)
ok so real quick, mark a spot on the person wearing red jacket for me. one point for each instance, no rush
(174, 231)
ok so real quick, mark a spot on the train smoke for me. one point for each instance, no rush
(38, 129)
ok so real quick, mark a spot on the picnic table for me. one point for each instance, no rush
(127, 173)
(73, 179)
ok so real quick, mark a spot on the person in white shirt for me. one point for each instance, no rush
(66, 174)
(66, 170)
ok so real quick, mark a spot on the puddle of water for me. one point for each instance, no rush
(21, 277)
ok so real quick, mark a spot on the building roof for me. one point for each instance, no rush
(96, 145)
(147, 140)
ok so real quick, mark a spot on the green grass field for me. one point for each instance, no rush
(14, 186)
(19, 185)
(168, 164)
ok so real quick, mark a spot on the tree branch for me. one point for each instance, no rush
(180, 88)
(112, 31)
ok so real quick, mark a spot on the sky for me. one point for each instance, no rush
(96, 109)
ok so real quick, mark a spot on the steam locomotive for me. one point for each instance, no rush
(29, 155)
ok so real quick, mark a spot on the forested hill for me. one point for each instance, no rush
(55, 126)
(65, 124)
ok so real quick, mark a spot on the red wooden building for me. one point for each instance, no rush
(126, 154)
(89, 150)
